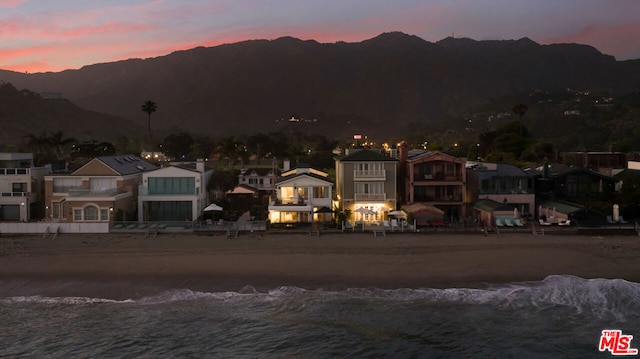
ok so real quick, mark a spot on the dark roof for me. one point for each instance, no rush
(627, 174)
(502, 170)
(489, 205)
(312, 175)
(260, 171)
(365, 155)
(563, 206)
(127, 164)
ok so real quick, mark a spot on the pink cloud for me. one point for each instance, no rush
(10, 3)
(608, 39)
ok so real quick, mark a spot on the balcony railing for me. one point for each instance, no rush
(369, 174)
(370, 196)
(144, 191)
(78, 192)
(15, 171)
(439, 176)
(15, 194)
(445, 198)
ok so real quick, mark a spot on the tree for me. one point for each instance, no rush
(178, 146)
(58, 141)
(40, 144)
(149, 107)
(520, 109)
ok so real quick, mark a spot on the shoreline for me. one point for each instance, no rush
(130, 265)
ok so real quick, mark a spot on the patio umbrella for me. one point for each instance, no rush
(365, 211)
(212, 207)
(397, 213)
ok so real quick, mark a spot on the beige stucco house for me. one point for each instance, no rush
(104, 189)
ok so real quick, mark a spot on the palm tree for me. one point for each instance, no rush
(520, 109)
(149, 107)
(40, 143)
(58, 141)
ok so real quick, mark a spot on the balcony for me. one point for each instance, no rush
(15, 194)
(370, 196)
(81, 192)
(15, 171)
(438, 176)
(444, 198)
(369, 175)
(289, 205)
(144, 191)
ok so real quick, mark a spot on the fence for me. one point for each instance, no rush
(51, 227)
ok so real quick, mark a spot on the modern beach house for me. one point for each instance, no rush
(366, 184)
(174, 193)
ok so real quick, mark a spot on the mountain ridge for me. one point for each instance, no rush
(377, 86)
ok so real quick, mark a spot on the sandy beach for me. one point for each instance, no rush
(32, 265)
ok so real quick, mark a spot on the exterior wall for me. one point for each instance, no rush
(198, 199)
(43, 227)
(119, 199)
(346, 190)
(291, 204)
(27, 203)
(440, 188)
(95, 168)
(525, 203)
(261, 182)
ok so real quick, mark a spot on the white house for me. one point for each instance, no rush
(302, 195)
(21, 187)
(174, 193)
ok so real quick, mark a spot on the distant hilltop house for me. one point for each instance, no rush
(52, 95)
(21, 187)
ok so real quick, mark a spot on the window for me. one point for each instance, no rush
(320, 192)
(19, 187)
(56, 210)
(104, 214)
(77, 215)
(90, 213)
(172, 185)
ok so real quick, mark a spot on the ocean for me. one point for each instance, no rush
(559, 317)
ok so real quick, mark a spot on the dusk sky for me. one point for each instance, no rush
(43, 35)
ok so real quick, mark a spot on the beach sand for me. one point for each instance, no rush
(126, 265)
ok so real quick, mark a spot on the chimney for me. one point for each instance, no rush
(200, 165)
(286, 165)
(403, 154)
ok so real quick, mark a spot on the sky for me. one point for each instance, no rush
(45, 35)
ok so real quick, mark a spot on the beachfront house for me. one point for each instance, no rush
(103, 189)
(501, 183)
(174, 193)
(435, 179)
(262, 179)
(22, 188)
(366, 184)
(302, 195)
